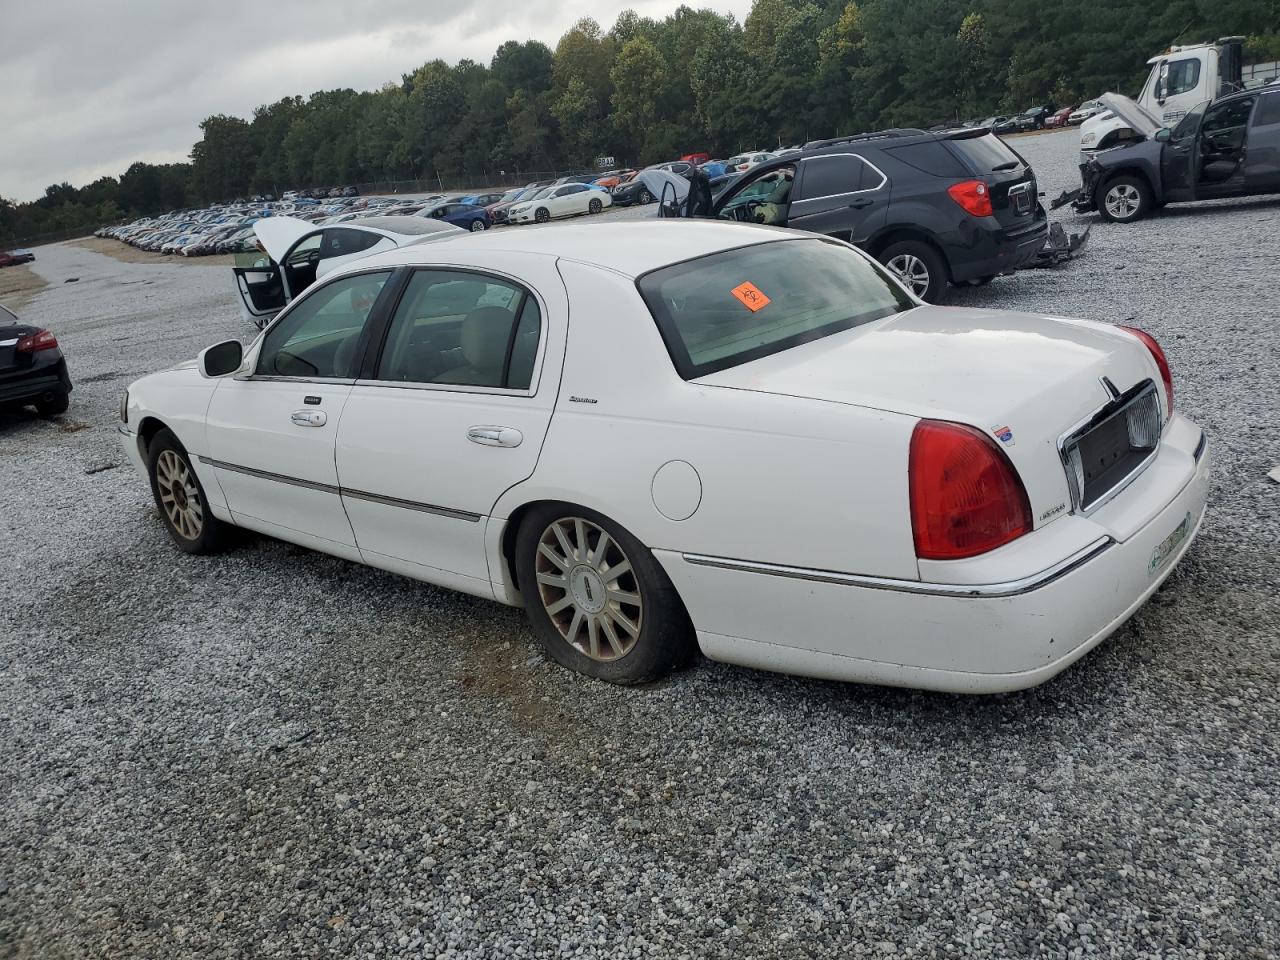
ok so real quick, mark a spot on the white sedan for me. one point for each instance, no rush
(662, 436)
(564, 200)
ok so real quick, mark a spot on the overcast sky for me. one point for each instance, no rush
(90, 86)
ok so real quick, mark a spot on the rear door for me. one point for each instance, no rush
(839, 194)
(1262, 174)
(1223, 148)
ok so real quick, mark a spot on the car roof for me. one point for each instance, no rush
(406, 226)
(631, 248)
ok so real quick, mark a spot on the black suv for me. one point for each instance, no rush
(958, 206)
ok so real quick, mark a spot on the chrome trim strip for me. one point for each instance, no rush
(267, 475)
(1010, 588)
(1200, 447)
(345, 491)
(412, 505)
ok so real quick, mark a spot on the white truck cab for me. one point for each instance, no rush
(1180, 78)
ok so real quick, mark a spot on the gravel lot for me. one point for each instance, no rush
(274, 753)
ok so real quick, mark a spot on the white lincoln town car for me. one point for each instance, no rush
(663, 436)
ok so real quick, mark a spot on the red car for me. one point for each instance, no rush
(696, 158)
(16, 257)
(1059, 119)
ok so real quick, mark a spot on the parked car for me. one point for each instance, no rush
(1035, 118)
(745, 161)
(468, 216)
(1086, 110)
(559, 200)
(498, 211)
(1225, 148)
(1002, 124)
(959, 206)
(32, 368)
(1059, 119)
(16, 257)
(631, 191)
(614, 177)
(295, 254)
(482, 199)
(696, 158)
(760, 444)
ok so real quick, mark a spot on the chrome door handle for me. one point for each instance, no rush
(309, 418)
(496, 436)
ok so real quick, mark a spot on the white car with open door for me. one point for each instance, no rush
(564, 200)
(657, 436)
(295, 253)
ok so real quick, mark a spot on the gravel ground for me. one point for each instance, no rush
(274, 753)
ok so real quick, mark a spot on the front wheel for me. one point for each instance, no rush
(598, 600)
(595, 206)
(542, 215)
(918, 266)
(180, 497)
(645, 197)
(1124, 199)
(478, 226)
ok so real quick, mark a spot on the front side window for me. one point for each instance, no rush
(739, 305)
(319, 336)
(763, 199)
(305, 251)
(463, 329)
(1184, 75)
(1190, 124)
(832, 175)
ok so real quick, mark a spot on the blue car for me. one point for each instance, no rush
(468, 216)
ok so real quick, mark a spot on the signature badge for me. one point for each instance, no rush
(1004, 435)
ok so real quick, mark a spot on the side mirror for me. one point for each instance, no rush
(220, 359)
(1164, 134)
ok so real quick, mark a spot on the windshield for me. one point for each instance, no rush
(736, 306)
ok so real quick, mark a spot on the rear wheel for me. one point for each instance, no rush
(180, 497)
(597, 598)
(919, 266)
(595, 206)
(542, 215)
(53, 406)
(1124, 199)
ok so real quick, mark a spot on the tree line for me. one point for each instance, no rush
(647, 90)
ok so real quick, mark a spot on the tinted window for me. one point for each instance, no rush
(739, 305)
(464, 329)
(1183, 76)
(1268, 110)
(319, 336)
(983, 154)
(931, 157)
(340, 243)
(827, 176)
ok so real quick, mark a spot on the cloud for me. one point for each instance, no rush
(93, 86)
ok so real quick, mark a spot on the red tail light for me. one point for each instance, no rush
(973, 196)
(1158, 353)
(966, 498)
(40, 340)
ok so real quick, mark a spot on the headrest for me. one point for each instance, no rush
(484, 337)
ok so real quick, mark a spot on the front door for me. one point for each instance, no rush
(1179, 161)
(270, 434)
(840, 195)
(453, 413)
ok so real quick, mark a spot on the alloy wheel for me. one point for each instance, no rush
(645, 196)
(1122, 201)
(542, 216)
(478, 225)
(588, 588)
(179, 495)
(595, 206)
(912, 271)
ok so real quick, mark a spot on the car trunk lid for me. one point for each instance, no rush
(10, 334)
(1024, 380)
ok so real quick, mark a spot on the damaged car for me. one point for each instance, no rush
(1228, 147)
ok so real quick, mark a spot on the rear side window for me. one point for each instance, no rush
(984, 154)
(736, 306)
(929, 157)
(1268, 110)
(833, 175)
(340, 243)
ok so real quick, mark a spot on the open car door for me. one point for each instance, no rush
(259, 278)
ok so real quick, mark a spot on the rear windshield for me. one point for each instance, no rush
(733, 307)
(984, 154)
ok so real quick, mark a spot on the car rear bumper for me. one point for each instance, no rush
(43, 379)
(978, 251)
(974, 637)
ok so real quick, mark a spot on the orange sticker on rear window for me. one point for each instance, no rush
(750, 296)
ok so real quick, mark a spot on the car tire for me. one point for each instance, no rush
(478, 226)
(1124, 199)
(542, 215)
(919, 266)
(645, 197)
(180, 497)
(595, 206)
(631, 628)
(54, 406)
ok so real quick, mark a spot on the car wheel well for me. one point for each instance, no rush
(897, 235)
(1112, 175)
(147, 430)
